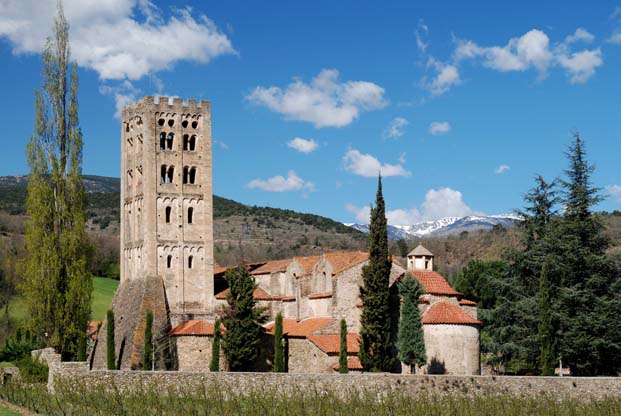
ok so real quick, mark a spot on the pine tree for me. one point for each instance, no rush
(147, 357)
(214, 365)
(279, 360)
(110, 348)
(546, 333)
(343, 368)
(376, 346)
(411, 342)
(243, 322)
(56, 284)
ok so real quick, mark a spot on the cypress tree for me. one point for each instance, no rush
(546, 336)
(110, 348)
(56, 284)
(411, 342)
(147, 357)
(279, 361)
(343, 369)
(214, 365)
(376, 346)
(243, 321)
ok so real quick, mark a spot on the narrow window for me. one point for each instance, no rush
(184, 123)
(192, 143)
(162, 141)
(185, 174)
(168, 212)
(192, 175)
(171, 173)
(190, 215)
(186, 141)
(163, 174)
(190, 261)
(169, 261)
(169, 142)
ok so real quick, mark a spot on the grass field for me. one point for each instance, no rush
(7, 412)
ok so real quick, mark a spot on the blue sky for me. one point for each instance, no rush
(459, 105)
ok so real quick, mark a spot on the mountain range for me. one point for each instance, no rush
(444, 226)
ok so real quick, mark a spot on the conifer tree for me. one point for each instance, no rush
(110, 347)
(214, 365)
(343, 368)
(546, 335)
(147, 357)
(411, 342)
(376, 346)
(279, 360)
(243, 322)
(56, 284)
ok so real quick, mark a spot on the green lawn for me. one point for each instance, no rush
(7, 412)
(103, 292)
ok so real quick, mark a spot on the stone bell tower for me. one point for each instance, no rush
(166, 194)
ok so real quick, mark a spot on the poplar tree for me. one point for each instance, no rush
(214, 365)
(147, 357)
(411, 342)
(343, 368)
(243, 321)
(279, 361)
(56, 284)
(376, 345)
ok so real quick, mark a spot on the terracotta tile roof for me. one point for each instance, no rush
(446, 313)
(286, 298)
(258, 294)
(194, 327)
(307, 263)
(272, 267)
(467, 302)
(330, 343)
(250, 266)
(353, 363)
(433, 283)
(320, 295)
(91, 329)
(303, 328)
(342, 261)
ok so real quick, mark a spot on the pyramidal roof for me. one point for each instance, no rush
(420, 251)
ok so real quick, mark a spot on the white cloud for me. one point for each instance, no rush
(439, 203)
(502, 169)
(395, 128)
(439, 127)
(303, 145)
(325, 101)
(368, 166)
(108, 37)
(532, 51)
(281, 184)
(447, 76)
(444, 202)
(124, 93)
(580, 35)
(421, 34)
(615, 192)
(615, 38)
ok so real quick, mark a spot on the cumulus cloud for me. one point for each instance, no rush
(439, 127)
(368, 166)
(446, 77)
(108, 36)
(615, 192)
(502, 169)
(303, 145)
(325, 101)
(438, 203)
(395, 128)
(533, 51)
(281, 184)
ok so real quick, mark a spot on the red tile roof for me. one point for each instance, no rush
(342, 261)
(433, 283)
(320, 295)
(272, 267)
(194, 327)
(330, 343)
(258, 294)
(467, 302)
(307, 263)
(353, 363)
(446, 313)
(303, 328)
(91, 329)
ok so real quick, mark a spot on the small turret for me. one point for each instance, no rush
(420, 259)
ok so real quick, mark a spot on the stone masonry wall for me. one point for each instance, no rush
(585, 388)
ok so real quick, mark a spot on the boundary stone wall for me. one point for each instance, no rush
(583, 388)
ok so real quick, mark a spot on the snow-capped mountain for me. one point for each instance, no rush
(444, 226)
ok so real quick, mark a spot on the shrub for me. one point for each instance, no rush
(32, 370)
